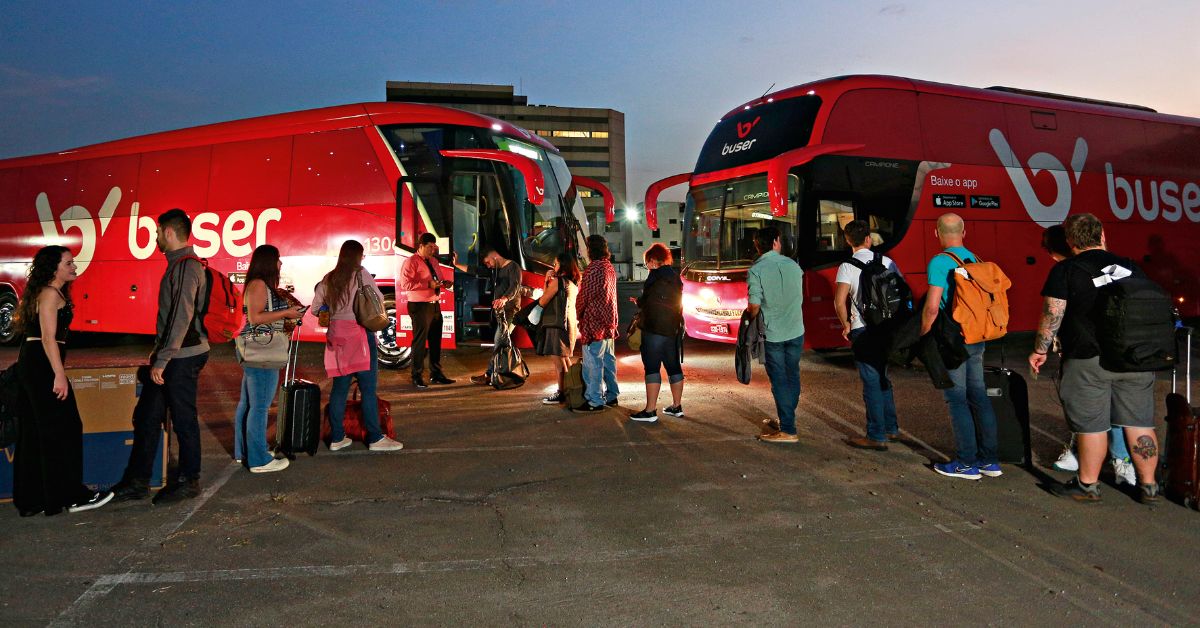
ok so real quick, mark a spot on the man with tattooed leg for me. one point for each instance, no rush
(1094, 398)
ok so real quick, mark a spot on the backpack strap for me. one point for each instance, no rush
(857, 263)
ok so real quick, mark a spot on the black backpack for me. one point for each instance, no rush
(883, 294)
(1135, 324)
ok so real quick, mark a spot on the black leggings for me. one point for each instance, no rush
(658, 352)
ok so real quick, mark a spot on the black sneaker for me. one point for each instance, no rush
(587, 407)
(441, 380)
(556, 398)
(95, 501)
(612, 404)
(645, 416)
(130, 490)
(1077, 490)
(676, 411)
(1148, 494)
(177, 492)
(419, 382)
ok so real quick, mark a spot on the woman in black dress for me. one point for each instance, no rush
(48, 461)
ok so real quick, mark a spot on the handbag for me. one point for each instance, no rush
(368, 308)
(263, 347)
(633, 335)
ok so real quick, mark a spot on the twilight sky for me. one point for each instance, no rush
(75, 73)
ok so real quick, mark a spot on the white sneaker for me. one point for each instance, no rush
(341, 444)
(1067, 461)
(386, 444)
(97, 500)
(279, 464)
(1124, 471)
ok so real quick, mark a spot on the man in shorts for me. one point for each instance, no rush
(1095, 399)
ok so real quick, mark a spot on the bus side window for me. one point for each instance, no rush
(832, 216)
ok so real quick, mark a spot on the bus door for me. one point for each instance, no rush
(479, 220)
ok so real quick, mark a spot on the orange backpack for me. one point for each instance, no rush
(980, 299)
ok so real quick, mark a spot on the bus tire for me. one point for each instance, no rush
(391, 355)
(8, 309)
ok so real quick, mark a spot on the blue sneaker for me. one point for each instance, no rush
(956, 469)
(991, 470)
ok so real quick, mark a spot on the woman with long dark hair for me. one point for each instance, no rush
(661, 317)
(266, 313)
(350, 349)
(48, 462)
(559, 327)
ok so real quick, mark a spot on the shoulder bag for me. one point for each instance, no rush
(368, 307)
(264, 346)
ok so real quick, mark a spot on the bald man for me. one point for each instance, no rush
(971, 413)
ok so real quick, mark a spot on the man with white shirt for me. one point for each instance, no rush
(848, 302)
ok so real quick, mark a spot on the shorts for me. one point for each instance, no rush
(1097, 400)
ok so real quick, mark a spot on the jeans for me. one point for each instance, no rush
(367, 382)
(658, 352)
(426, 330)
(1116, 443)
(971, 413)
(600, 362)
(877, 396)
(250, 418)
(783, 369)
(178, 394)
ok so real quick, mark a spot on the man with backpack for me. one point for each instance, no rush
(180, 353)
(870, 295)
(1115, 327)
(971, 414)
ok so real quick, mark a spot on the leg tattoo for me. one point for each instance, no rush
(1145, 447)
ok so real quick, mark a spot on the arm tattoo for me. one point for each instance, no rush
(1145, 448)
(1052, 318)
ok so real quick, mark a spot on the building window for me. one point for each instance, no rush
(674, 243)
(673, 221)
(584, 193)
(603, 134)
(638, 243)
(586, 164)
(572, 133)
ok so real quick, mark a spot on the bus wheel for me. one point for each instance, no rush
(8, 308)
(391, 354)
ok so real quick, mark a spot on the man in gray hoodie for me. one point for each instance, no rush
(180, 353)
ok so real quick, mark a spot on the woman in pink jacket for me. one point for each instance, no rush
(350, 350)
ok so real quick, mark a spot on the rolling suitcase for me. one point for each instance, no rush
(1009, 395)
(1182, 462)
(298, 419)
(352, 423)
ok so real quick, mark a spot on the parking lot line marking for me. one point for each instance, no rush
(618, 445)
(858, 430)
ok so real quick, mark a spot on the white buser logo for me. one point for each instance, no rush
(78, 218)
(1042, 214)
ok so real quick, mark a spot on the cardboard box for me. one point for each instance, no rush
(106, 398)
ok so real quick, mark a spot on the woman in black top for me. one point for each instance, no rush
(559, 329)
(48, 462)
(661, 321)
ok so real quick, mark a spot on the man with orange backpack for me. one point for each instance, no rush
(973, 293)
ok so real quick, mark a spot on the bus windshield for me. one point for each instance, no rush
(722, 219)
(541, 239)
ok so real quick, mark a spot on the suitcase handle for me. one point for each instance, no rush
(289, 371)
(1186, 334)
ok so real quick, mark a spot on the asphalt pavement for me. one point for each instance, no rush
(501, 510)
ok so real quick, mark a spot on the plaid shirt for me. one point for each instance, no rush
(596, 304)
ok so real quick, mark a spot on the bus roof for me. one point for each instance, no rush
(306, 121)
(836, 86)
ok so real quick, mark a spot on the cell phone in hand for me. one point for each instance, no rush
(303, 310)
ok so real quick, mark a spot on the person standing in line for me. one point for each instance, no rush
(506, 288)
(180, 353)
(1054, 242)
(661, 315)
(882, 425)
(559, 327)
(423, 288)
(351, 352)
(48, 459)
(975, 447)
(598, 327)
(775, 286)
(1094, 398)
(260, 381)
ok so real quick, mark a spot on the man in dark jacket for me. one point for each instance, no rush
(180, 353)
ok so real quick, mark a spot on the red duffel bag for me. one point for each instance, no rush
(353, 421)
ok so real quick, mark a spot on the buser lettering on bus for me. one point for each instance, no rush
(1149, 197)
(210, 234)
(740, 146)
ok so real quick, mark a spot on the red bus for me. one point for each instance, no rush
(899, 153)
(380, 173)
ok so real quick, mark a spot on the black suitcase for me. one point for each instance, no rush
(298, 419)
(1009, 394)
(1181, 462)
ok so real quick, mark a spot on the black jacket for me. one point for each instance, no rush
(661, 302)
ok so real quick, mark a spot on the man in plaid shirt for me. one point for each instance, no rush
(596, 308)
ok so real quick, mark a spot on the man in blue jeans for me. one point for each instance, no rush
(847, 302)
(775, 285)
(971, 414)
(596, 309)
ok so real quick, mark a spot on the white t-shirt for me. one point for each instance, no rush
(849, 273)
